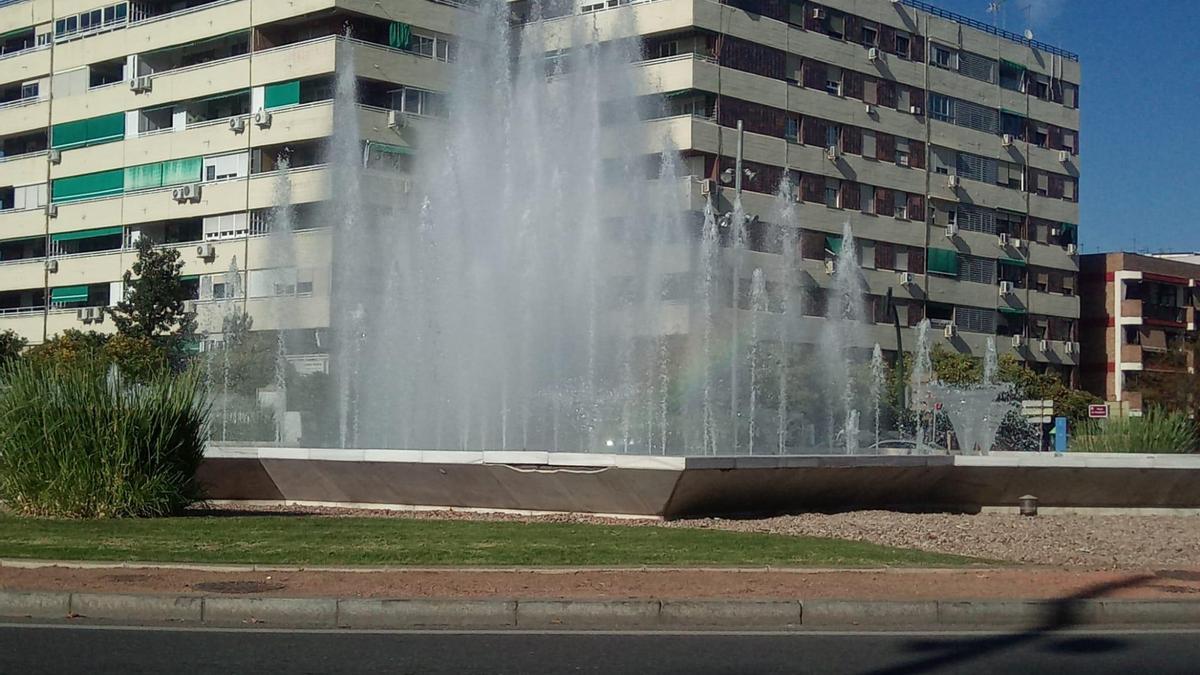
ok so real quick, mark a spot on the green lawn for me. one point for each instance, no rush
(310, 540)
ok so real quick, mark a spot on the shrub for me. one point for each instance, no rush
(79, 441)
(1155, 431)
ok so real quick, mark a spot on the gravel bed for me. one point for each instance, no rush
(1081, 541)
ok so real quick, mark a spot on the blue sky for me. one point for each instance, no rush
(1140, 185)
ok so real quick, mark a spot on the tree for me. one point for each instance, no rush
(11, 345)
(153, 308)
(138, 358)
(69, 347)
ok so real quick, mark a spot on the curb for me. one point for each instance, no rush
(591, 614)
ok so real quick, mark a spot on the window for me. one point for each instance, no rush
(29, 90)
(941, 107)
(952, 218)
(419, 102)
(902, 44)
(832, 133)
(667, 49)
(792, 130)
(943, 57)
(870, 34)
(867, 198)
(902, 152)
(832, 190)
(833, 80)
(1041, 135)
(900, 200)
(421, 44)
(868, 144)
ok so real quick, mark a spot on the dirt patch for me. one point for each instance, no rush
(1025, 583)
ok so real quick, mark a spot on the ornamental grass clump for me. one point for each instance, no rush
(1156, 431)
(78, 441)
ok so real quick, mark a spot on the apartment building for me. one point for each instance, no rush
(1139, 327)
(167, 119)
(950, 147)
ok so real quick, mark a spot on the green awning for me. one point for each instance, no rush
(833, 244)
(186, 170)
(1013, 311)
(88, 234)
(392, 149)
(399, 35)
(189, 277)
(1012, 64)
(942, 261)
(88, 185)
(93, 131)
(144, 176)
(27, 29)
(1014, 262)
(68, 294)
(281, 94)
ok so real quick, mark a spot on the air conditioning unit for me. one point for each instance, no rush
(1007, 288)
(262, 119)
(189, 306)
(52, 210)
(831, 153)
(397, 119)
(1018, 341)
(52, 266)
(1007, 140)
(1072, 249)
(870, 109)
(1044, 345)
(873, 54)
(1071, 347)
(84, 314)
(906, 278)
(186, 193)
(1063, 156)
(55, 156)
(830, 266)
(914, 110)
(952, 182)
(818, 13)
(140, 85)
(950, 331)
(1017, 243)
(706, 186)
(237, 124)
(951, 230)
(1002, 240)
(206, 251)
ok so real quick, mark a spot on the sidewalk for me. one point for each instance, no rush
(589, 598)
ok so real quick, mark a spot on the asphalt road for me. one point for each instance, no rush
(29, 649)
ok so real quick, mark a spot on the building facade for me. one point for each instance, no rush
(951, 148)
(1139, 328)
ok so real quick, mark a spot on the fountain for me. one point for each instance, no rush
(976, 411)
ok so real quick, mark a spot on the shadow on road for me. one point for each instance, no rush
(1062, 615)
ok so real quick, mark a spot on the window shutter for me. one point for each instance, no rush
(850, 198)
(917, 46)
(885, 147)
(916, 207)
(853, 84)
(885, 255)
(916, 154)
(883, 202)
(870, 90)
(852, 140)
(814, 74)
(916, 261)
(887, 38)
(813, 187)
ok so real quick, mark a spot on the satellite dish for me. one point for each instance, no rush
(1028, 34)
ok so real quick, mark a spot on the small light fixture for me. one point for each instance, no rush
(1029, 505)
(727, 176)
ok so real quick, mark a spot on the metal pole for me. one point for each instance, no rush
(734, 228)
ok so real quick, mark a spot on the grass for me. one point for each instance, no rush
(1157, 430)
(310, 540)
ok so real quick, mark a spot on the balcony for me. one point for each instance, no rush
(1165, 315)
(1131, 312)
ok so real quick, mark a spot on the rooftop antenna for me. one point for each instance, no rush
(996, 9)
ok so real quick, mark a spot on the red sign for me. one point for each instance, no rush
(937, 406)
(1098, 412)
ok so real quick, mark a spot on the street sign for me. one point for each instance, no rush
(1098, 411)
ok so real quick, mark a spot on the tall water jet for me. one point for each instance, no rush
(878, 383)
(758, 307)
(922, 374)
(991, 364)
(845, 334)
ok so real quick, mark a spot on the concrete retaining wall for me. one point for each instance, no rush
(676, 487)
